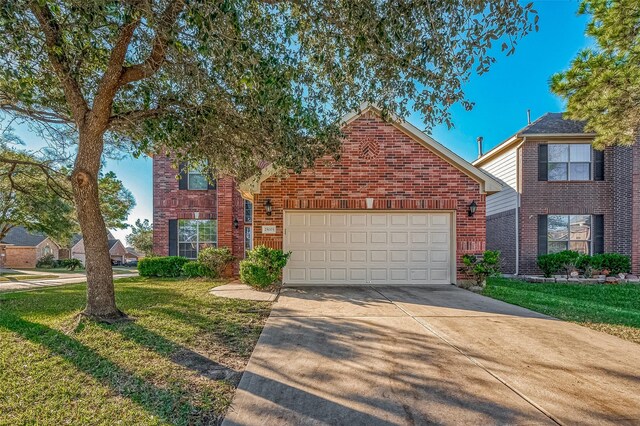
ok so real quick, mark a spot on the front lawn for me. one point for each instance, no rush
(614, 309)
(178, 362)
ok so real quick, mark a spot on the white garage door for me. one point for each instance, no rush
(354, 248)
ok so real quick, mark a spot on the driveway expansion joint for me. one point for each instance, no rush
(470, 357)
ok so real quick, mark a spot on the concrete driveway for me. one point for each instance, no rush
(423, 355)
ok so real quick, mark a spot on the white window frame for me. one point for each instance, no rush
(197, 242)
(569, 162)
(250, 245)
(247, 202)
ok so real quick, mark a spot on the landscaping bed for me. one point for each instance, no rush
(613, 309)
(177, 363)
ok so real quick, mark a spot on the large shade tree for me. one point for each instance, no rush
(602, 87)
(233, 83)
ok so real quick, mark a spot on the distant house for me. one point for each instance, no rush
(132, 255)
(116, 249)
(22, 249)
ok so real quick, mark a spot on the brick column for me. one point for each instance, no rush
(225, 212)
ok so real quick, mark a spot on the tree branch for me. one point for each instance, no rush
(110, 81)
(159, 49)
(49, 172)
(46, 116)
(122, 119)
(55, 52)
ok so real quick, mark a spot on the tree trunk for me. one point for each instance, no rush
(101, 302)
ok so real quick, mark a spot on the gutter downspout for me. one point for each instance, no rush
(518, 183)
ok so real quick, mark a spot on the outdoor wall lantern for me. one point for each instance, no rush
(268, 207)
(472, 208)
(235, 223)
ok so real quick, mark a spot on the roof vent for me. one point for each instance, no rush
(480, 139)
(528, 117)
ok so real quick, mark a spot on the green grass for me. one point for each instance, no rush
(614, 309)
(177, 363)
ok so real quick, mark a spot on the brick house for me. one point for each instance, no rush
(560, 193)
(22, 249)
(397, 208)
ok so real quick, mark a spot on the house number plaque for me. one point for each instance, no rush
(268, 229)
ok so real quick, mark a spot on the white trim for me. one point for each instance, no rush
(487, 183)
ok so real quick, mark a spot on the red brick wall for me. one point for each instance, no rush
(20, 257)
(395, 170)
(169, 202)
(558, 197)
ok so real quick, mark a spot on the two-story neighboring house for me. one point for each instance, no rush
(560, 193)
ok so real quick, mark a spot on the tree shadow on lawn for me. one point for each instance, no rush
(164, 403)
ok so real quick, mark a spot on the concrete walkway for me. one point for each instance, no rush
(34, 283)
(237, 290)
(439, 354)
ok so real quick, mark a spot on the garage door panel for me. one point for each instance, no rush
(368, 248)
(338, 219)
(338, 237)
(399, 237)
(398, 256)
(358, 256)
(378, 237)
(358, 237)
(337, 255)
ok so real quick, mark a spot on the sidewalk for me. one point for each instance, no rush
(36, 283)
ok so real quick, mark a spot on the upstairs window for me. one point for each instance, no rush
(196, 180)
(569, 162)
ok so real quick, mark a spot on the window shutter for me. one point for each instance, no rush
(212, 183)
(598, 164)
(173, 237)
(542, 234)
(543, 162)
(183, 182)
(598, 234)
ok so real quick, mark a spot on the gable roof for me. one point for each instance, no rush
(487, 183)
(550, 124)
(112, 243)
(19, 236)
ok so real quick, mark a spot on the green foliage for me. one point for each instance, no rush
(568, 261)
(46, 261)
(70, 264)
(603, 84)
(480, 268)
(195, 269)
(239, 83)
(613, 262)
(216, 260)
(116, 201)
(164, 267)
(141, 237)
(263, 266)
(35, 193)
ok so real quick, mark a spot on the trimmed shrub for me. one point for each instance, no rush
(216, 260)
(46, 261)
(479, 268)
(613, 262)
(167, 266)
(548, 264)
(567, 260)
(70, 264)
(263, 267)
(195, 269)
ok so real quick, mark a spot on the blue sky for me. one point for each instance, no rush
(513, 85)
